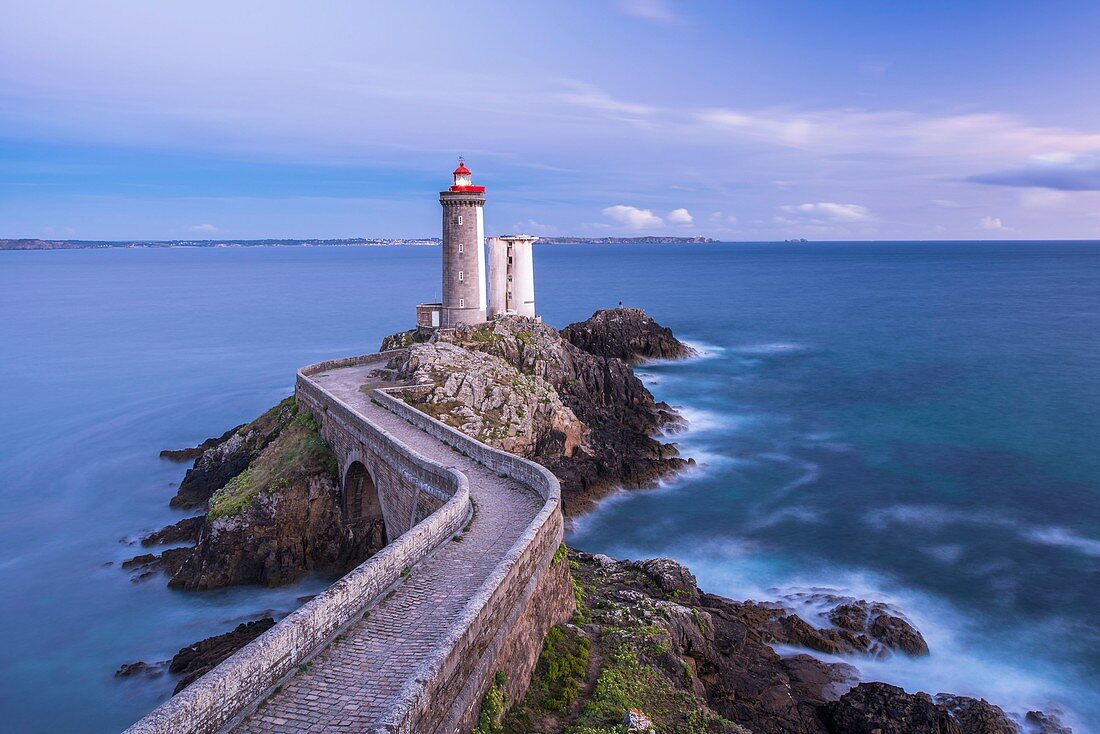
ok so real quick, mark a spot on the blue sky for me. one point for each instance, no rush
(736, 120)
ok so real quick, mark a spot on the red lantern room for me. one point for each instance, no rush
(463, 182)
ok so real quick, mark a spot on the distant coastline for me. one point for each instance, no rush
(40, 244)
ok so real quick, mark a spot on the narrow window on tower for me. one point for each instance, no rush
(461, 247)
(460, 222)
(462, 303)
(461, 277)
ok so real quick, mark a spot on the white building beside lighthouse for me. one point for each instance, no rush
(511, 277)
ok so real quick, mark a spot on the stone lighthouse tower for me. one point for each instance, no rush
(463, 251)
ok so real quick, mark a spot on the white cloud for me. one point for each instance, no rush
(206, 228)
(656, 10)
(992, 223)
(829, 211)
(680, 216)
(632, 217)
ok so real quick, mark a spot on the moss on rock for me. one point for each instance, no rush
(298, 452)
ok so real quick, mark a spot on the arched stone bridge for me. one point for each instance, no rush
(411, 639)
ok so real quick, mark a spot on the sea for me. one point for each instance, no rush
(911, 422)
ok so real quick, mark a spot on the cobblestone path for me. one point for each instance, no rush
(350, 683)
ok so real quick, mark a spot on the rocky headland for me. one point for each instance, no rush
(568, 400)
(271, 505)
(647, 649)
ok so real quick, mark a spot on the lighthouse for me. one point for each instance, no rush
(463, 251)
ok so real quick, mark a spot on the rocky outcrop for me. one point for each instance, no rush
(628, 334)
(874, 621)
(195, 452)
(603, 440)
(489, 399)
(879, 708)
(184, 531)
(647, 640)
(1041, 723)
(277, 519)
(193, 661)
(976, 715)
(404, 339)
(229, 456)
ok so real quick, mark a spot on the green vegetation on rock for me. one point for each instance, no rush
(298, 452)
(561, 670)
(491, 718)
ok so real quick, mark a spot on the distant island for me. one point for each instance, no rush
(650, 240)
(39, 244)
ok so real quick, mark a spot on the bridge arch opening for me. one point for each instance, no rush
(361, 507)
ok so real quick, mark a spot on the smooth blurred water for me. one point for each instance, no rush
(911, 422)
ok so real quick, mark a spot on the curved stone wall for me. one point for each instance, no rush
(240, 681)
(504, 623)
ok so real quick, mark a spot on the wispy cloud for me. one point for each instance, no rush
(898, 132)
(205, 228)
(828, 211)
(659, 11)
(583, 94)
(533, 227)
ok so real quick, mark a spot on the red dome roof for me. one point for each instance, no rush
(462, 169)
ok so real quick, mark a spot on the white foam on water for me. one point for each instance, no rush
(1009, 671)
(1064, 538)
(770, 348)
(700, 420)
(804, 515)
(938, 517)
(703, 350)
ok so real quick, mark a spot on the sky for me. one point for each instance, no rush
(735, 119)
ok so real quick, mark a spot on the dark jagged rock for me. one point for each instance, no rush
(196, 451)
(184, 531)
(879, 708)
(128, 670)
(145, 559)
(193, 661)
(147, 564)
(1040, 723)
(277, 520)
(227, 458)
(875, 620)
(976, 715)
(628, 334)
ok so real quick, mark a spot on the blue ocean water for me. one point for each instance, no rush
(913, 422)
